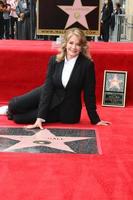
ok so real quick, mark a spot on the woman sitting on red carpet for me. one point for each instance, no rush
(59, 100)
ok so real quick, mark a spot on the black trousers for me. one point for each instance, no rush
(1, 28)
(13, 29)
(6, 28)
(24, 109)
(105, 32)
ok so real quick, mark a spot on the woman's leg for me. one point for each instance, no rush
(7, 28)
(23, 109)
(25, 118)
(25, 103)
(12, 27)
(31, 116)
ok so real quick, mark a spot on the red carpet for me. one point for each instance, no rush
(65, 176)
(27, 61)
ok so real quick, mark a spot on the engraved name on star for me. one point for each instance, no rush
(77, 13)
(42, 138)
(115, 82)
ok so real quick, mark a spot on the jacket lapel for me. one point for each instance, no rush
(59, 69)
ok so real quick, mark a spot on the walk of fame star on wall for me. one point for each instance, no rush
(53, 17)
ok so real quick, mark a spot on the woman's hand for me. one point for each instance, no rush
(37, 124)
(21, 16)
(103, 123)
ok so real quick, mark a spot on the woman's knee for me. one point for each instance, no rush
(11, 105)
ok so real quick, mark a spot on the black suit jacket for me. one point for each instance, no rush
(69, 99)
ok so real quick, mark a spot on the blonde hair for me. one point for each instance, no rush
(67, 35)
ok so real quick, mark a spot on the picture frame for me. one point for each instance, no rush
(54, 17)
(114, 88)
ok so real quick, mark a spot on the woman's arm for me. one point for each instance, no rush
(89, 92)
(90, 97)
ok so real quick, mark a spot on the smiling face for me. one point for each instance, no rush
(73, 47)
(73, 43)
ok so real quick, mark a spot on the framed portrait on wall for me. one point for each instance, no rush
(53, 17)
(114, 88)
